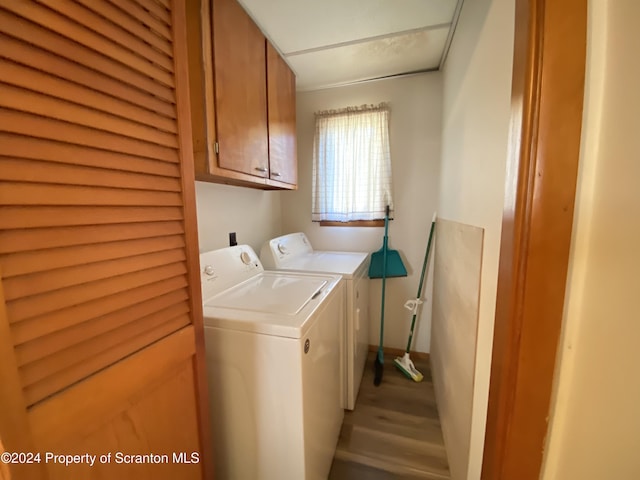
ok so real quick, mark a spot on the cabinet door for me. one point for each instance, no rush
(241, 90)
(281, 88)
(101, 334)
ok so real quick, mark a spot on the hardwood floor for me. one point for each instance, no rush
(394, 431)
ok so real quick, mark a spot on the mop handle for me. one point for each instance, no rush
(422, 275)
(426, 256)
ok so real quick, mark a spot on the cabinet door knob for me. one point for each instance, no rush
(276, 174)
(261, 169)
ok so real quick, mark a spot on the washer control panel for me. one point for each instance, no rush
(280, 249)
(220, 269)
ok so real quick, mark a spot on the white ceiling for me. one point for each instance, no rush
(337, 42)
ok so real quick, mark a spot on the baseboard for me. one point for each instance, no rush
(398, 352)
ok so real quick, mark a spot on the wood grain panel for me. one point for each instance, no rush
(46, 106)
(95, 343)
(141, 15)
(154, 420)
(14, 425)
(35, 80)
(88, 326)
(46, 172)
(118, 17)
(201, 384)
(37, 216)
(43, 38)
(281, 94)
(201, 86)
(41, 60)
(110, 31)
(15, 193)
(52, 280)
(241, 107)
(5, 474)
(156, 9)
(546, 120)
(46, 150)
(36, 239)
(112, 307)
(64, 298)
(100, 397)
(454, 331)
(98, 235)
(80, 35)
(99, 360)
(40, 127)
(53, 258)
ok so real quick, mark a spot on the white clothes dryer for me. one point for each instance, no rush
(294, 253)
(272, 348)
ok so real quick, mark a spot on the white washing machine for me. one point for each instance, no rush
(272, 348)
(293, 252)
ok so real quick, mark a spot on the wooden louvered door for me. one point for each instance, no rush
(101, 337)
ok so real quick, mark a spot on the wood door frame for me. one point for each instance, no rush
(542, 168)
(187, 170)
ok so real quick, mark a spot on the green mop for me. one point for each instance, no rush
(404, 363)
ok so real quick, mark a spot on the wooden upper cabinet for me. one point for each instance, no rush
(240, 90)
(281, 94)
(242, 100)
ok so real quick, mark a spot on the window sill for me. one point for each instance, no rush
(357, 223)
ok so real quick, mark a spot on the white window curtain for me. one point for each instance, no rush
(352, 164)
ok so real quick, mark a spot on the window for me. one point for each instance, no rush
(351, 164)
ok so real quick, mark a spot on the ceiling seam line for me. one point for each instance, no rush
(367, 39)
(452, 31)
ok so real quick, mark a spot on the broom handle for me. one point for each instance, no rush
(422, 275)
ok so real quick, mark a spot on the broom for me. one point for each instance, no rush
(384, 263)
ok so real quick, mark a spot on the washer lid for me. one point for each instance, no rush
(268, 293)
(272, 303)
(342, 263)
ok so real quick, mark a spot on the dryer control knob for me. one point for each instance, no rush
(208, 270)
(282, 248)
(245, 258)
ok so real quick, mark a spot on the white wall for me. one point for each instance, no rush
(255, 215)
(595, 422)
(477, 89)
(415, 131)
